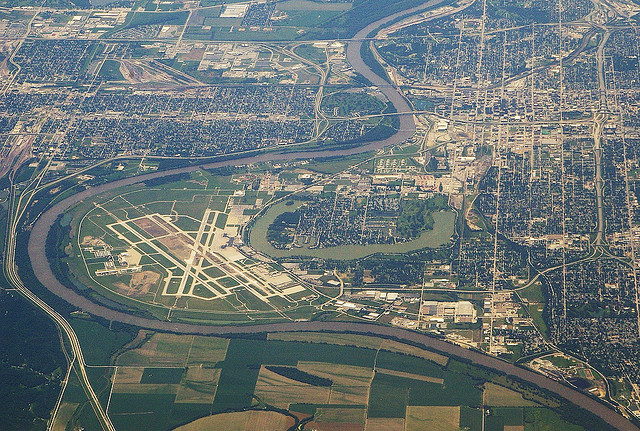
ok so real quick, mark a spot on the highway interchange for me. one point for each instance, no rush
(20, 201)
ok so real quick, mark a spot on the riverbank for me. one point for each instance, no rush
(443, 228)
(44, 274)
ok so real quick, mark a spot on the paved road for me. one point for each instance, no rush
(77, 361)
(407, 123)
(45, 275)
(597, 151)
(42, 269)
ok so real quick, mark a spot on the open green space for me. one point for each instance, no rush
(110, 70)
(300, 20)
(347, 104)
(151, 18)
(171, 380)
(162, 375)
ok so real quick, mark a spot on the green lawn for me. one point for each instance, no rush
(110, 70)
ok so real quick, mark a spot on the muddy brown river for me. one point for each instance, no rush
(43, 272)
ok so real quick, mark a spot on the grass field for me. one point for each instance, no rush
(360, 341)
(412, 376)
(168, 380)
(65, 413)
(433, 418)
(341, 414)
(470, 418)
(399, 362)
(161, 350)
(164, 18)
(241, 421)
(389, 397)
(207, 350)
(279, 391)
(127, 376)
(156, 375)
(349, 395)
(533, 293)
(350, 383)
(384, 424)
(561, 361)
(339, 374)
(161, 397)
(496, 395)
(199, 385)
(111, 70)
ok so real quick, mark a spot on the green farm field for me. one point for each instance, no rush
(349, 382)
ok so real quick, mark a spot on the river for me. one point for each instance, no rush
(444, 222)
(42, 269)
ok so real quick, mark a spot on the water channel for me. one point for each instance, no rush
(441, 233)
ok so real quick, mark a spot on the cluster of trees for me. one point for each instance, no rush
(280, 232)
(299, 375)
(416, 217)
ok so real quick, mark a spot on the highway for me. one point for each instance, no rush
(598, 121)
(407, 122)
(11, 274)
(20, 201)
(599, 185)
(42, 269)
